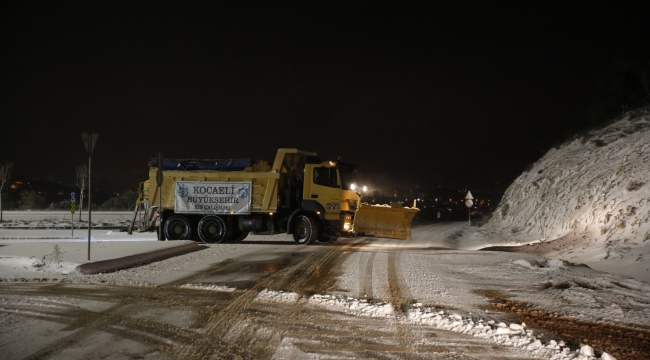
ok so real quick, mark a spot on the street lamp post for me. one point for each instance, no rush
(89, 139)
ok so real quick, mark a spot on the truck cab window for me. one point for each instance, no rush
(348, 175)
(325, 176)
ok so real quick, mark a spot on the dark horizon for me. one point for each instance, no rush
(469, 94)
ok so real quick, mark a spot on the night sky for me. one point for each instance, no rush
(469, 93)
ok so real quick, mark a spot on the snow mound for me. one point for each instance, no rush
(593, 193)
(512, 334)
(515, 335)
(220, 288)
(547, 264)
(352, 306)
(277, 296)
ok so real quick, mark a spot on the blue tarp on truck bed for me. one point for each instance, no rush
(205, 164)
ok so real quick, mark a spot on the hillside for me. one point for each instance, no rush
(587, 201)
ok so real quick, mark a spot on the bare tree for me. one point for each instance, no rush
(5, 175)
(82, 177)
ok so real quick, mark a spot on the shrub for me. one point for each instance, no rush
(32, 201)
(121, 202)
(61, 205)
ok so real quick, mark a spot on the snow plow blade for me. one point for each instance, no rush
(386, 221)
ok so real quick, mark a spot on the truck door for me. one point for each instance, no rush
(324, 187)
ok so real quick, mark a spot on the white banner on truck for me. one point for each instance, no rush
(213, 197)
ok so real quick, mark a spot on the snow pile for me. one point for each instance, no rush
(277, 296)
(593, 193)
(515, 335)
(512, 334)
(212, 287)
(352, 306)
(546, 264)
(37, 267)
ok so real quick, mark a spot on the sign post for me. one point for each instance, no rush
(89, 139)
(159, 182)
(72, 208)
(469, 203)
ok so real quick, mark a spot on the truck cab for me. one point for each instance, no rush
(320, 195)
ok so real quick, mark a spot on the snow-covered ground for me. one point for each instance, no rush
(64, 220)
(587, 201)
(440, 273)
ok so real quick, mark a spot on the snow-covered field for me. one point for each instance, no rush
(64, 220)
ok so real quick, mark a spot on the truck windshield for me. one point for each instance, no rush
(348, 175)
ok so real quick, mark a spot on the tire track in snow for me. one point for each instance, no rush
(290, 278)
(216, 312)
(398, 290)
(366, 275)
(320, 335)
(115, 320)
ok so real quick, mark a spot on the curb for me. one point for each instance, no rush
(99, 227)
(106, 266)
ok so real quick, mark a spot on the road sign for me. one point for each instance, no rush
(89, 139)
(468, 199)
(72, 208)
(72, 197)
(469, 203)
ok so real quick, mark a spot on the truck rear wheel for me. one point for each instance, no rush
(212, 229)
(305, 231)
(177, 227)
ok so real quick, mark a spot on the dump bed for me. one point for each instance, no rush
(263, 184)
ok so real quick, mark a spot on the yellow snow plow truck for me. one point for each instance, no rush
(220, 200)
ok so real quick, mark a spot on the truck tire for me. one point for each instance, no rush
(212, 229)
(177, 227)
(305, 230)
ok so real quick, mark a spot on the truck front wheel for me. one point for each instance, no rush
(212, 229)
(305, 231)
(177, 227)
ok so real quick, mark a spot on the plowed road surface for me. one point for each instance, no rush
(217, 309)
